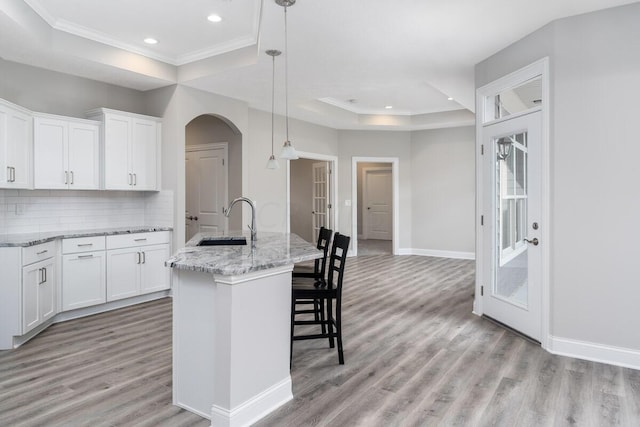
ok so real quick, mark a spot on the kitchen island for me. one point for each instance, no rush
(231, 325)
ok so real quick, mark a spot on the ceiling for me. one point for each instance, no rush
(348, 60)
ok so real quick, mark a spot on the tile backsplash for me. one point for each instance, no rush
(31, 211)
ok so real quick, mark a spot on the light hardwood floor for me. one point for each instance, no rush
(415, 355)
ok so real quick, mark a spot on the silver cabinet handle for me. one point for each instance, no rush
(8, 173)
(40, 281)
(85, 256)
(137, 257)
(43, 275)
(84, 244)
(13, 174)
(130, 179)
(135, 179)
(42, 252)
(71, 178)
(66, 177)
(140, 240)
(144, 258)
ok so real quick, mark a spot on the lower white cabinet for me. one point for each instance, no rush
(38, 291)
(83, 272)
(135, 265)
(84, 280)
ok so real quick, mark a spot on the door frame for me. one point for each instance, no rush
(395, 182)
(483, 259)
(333, 185)
(365, 200)
(205, 147)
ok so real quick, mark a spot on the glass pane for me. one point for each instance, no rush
(515, 100)
(511, 269)
(520, 158)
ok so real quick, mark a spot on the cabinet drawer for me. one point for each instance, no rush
(138, 239)
(36, 253)
(83, 244)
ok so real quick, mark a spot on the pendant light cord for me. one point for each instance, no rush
(273, 97)
(286, 73)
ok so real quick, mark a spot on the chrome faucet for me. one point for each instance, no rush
(252, 227)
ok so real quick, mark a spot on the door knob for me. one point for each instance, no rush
(533, 241)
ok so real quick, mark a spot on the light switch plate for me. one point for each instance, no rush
(347, 202)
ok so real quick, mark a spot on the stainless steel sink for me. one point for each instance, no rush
(222, 241)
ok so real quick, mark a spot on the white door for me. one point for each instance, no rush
(512, 170)
(377, 203)
(320, 198)
(206, 189)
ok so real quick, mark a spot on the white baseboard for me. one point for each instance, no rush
(255, 408)
(594, 352)
(437, 253)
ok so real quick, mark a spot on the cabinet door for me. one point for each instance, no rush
(38, 293)
(83, 280)
(154, 276)
(50, 153)
(123, 273)
(84, 156)
(144, 154)
(117, 154)
(31, 278)
(47, 290)
(15, 148)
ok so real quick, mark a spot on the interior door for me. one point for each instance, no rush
(512, 170)
(320, 196)
(378, 201)
(206, 189)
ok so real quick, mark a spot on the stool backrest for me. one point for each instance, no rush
(337, 260)
(320, 265)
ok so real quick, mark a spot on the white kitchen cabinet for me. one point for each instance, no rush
(135, 264)
(38, 285)
(83, 272)
(131, 150)
(66, 153)
(16, 145)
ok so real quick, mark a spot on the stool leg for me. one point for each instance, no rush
(339, 330)
(321, 311)
(330, 322)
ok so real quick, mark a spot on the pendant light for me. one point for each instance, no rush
(288, 152)
(272, 163)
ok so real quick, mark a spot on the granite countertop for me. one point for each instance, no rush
(32, 239)
(271, 250)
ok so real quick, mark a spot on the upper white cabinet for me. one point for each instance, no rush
(66, 153)
(131, 150)
(16, 142)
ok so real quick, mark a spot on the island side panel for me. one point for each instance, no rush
(255, 332)
(194, 298)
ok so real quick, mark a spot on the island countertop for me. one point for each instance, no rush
(270, 250)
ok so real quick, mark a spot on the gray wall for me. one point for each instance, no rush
(57, 93)
(301, 198)
(207, 129)
(595, 82)
(443, 178)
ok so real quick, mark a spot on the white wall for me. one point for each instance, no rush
(595, 80)
(375, 144)
(443, 178)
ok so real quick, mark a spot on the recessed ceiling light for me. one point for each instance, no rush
(388, 107)
(150, 40)
(214, 18)
(450, 98)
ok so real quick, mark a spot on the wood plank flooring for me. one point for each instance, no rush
(415, 355)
